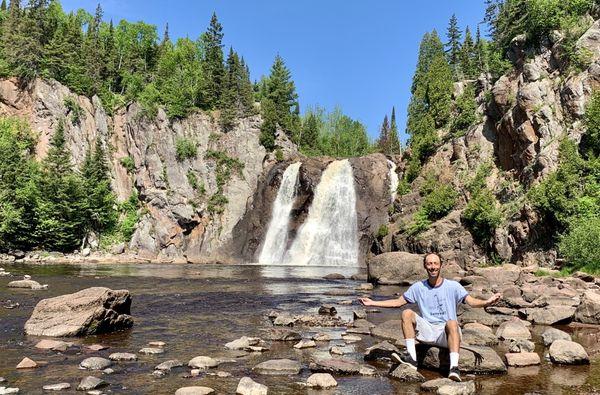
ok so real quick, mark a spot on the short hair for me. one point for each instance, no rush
(431, 253)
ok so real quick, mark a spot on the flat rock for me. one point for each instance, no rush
(247, 386)
(396, 268)
(520, 345)
(284, 319)
(522, 359)
(365, 287)
(513, 329)
(321, 380)
(305, 344)
(203, 362)
(478, 337)
(168, 365)
(407, 374)
(350, 338)
(380, 351)
(338, 350)
(482, 360)
(55, 345)
(321, 337)
(57, 387)
(550, 315)
(278, 367)
(95, 363)
(194, 390)
(27, 284)
(87, 312)
(334, 276)
(157, 344)
(341, 366)
(568, 353)
(97, 347)
(360, 314)
(464, 388)
(470, 315)
(122, 356)
(433, 385)
(389, 330)
(27, 363)
(152, 350)
(283, 335)
(8, 390)
(242, 343)
(90, 383)
(478, 327)
(551, 334)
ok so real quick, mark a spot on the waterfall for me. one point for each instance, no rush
(277, 234)
(393, 180)
(329, 236)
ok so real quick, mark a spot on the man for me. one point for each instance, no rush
(437, 299)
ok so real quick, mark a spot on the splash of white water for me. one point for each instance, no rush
(393, 180)
(329, 236)
(277, 234)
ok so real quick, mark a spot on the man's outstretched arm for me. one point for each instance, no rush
(474, 302)
(398, 302)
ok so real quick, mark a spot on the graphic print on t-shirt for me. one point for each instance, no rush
(437, 308)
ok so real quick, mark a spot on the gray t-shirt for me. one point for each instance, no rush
(437, 304)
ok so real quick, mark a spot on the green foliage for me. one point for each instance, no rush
(278, 154)
(580, 245)
(591, 138)
(439, 202)
(403, 187)
(128, 163)
(482, 215)
(465, 112)
(382, 231)
(185, 149)
(281, 91)
(268, 128)
(388, 142)
(454, 36)
(74, 109)
(419, 224)
(198, 186)
(129, 215)
(212, 64)
(225, 166)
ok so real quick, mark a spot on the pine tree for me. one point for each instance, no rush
(281, 91)
(229, 96)
(465, 112)
(214, 71)
(268, 129)
(439, 90)
(310, 134)
(468, 56)
(246, 90)
(454, 35)
(384, 136)
(3, 5)
(480, 58)
(93, 52)
(394, 141)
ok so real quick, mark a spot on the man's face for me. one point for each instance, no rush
(433, 265)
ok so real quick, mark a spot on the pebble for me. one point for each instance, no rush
(159, 373)
(157, 344)
(56, 345)
(194, 391)
(27, 363)
(97, 347)
(108, 371)
(57, 387)
(90, 383)
(95, 363)
(151, 350)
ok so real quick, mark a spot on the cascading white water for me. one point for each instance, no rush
(277, 234)
(393, 180)
(329, 236)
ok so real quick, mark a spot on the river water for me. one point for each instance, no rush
(197, 309)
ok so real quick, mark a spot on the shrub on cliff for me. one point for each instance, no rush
(185, 149)
(580, 245)
(482, 216)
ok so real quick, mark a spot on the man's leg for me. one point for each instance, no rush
(408, 331)
(453, 337)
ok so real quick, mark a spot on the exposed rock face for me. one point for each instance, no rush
(89, 311)
(589, 309)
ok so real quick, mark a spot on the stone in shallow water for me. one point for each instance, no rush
(196, 390)
(56, 345)
(281, 334)
(478, 337)
(321, 337)
(337, 350)
(520, 345)
(349, 338)
(433, 385)
(90, 383)
(278, 367)
(407, 374)
(321, 380)
(522, 359)
(482, 360)
(29, 284)
(305, 344)
(334, 276)
(551, 334)
(57, 387)
(8, 390)
(327, 309)
(389, 330)
(122, 356)
(97, 347)
(513, 329)
(380, 351)
(27, 363)
(341, 366)
(464, 388)
(247, 386)
(157, 344)
(203, 362)
(95, 363)
(168, 365)
(152, 350)
(568, 353)
(242, 343)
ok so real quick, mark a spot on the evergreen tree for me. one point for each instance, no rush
(213, 69)
(394, 141)
(93, 53)
(454, 35)
(246, 94)
(480, 58)
(229, 97)
(430, 47)
(281, 91)
(384, 136)
(439, 90)
(62, 204)
(465, 112)
(310, 135)
(268, 129)
(468, 56)
(3, 5)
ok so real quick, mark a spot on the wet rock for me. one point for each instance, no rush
(8, 390)
(321, 337)
(242, 343)
(349, 338)
(57, 387)
(278, 367)
(513, 329)
(360, 314)
(522, 359)
(9, 304)
(380, 351)
(327, 309)
(108, 371)
(588, 311)
(568, 353)
(478, 337)
(365, 287)
(168, 365)
(27, 363)
(90, 311)
(152, 350)
(283, 335)
(341, 366)
(478, 359)
(95, 363)
(305, 344)
(55, 345)
(28, 284)
(122, 356)
(284, 319)
(90, 383)
(157, 344)
(359, 277)
(464, 388)
(407, 374)
(389, 330)
(318, 320)
(117, 249)
(334, 276)
(338, 350)
(321, 380)
(194, 390)
(359, 330)
(551, 334)
(396, 268)
(472, 315)
(97, 347)
(247, 386)
(550, 315)
(433, 385)
(203, 362)
(520, 345)
(159, 373)
(257, 349)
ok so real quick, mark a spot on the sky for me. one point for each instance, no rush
(356, 54)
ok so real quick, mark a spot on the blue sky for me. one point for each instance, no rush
(356, 54)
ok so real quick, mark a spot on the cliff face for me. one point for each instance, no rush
(524, 116)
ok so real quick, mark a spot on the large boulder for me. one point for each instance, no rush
(87, 312)
(568, 353)
(477, 359)
(589, 310)
(513, 329)
(400, 268)
(550, 315)
(407, 374)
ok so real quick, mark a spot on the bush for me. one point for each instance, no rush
(278, 154)
(420, 223)
(194, 183)
(403, 187)
(466, 114)
(382, 231)
(591, 139)
(185, 149)
(74, 108)
(127, 163)
(439, 202)
(482, 216)
(580, 245)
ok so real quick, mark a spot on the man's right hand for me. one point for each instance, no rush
(365, 301)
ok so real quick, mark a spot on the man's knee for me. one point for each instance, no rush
(408, 315)
(451, 326)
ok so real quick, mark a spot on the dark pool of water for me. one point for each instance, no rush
(197, 309)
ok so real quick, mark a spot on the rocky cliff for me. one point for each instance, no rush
(524, 116)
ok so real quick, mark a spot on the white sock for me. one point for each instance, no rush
(454, 359)
(410, 347)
